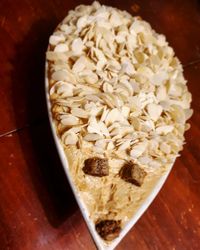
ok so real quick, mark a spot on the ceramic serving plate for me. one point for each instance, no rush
(132, 95)
(101, 245)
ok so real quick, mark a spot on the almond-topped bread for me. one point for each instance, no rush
(120, 103)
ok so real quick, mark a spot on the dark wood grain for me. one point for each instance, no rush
(37, 208)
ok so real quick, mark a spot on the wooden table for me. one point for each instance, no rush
(37, 208)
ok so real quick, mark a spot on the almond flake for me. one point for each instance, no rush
(125, 111)
(110, 146)
(124, 145)
(55, 39)
(77, 46)
(60, 75)
(164, 129)
(115, 20)
(138, 149)
(66, 90)
(93, 126)
(104, 129)
(101, 143)
(70, 138)
(78, 112)
(92, 137)
(91, 78)
(154, 111)
(61, 47)
(161, 93)
(107, 87)
(126, 84)
(66, 29)
(79, 65)
(164, 147)
(75, 129)
(70, 120)
(112, 116)
(82, 22)
(159, 78)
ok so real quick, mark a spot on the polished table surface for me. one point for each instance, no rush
(37, 208)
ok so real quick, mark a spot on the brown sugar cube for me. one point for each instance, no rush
(133, 173)
(96, 166)
(108, 229)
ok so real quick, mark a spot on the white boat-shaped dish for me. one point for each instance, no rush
(101, 245)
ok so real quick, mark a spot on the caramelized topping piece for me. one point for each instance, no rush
(132, 173)
(108, 229)
(96, 166)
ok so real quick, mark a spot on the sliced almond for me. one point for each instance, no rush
(164, 129)
(101, 143)
(60, 75)
(124, 145)
(107, 87)
(70, 120)
(104, 129)
(79, 65)
(104, 114)
(92, 137)
(164, 147)
(61, 47)
(57, 57)
(113, 115)
(82, 22)
(77, 46)
(69, 138)
(55, 39)
(66, 29)
(110, 146)
(79, 112)
(161, 93)
(93, 126)
(138, 149)
(154, 111)
(91, 78)
(125, 111)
